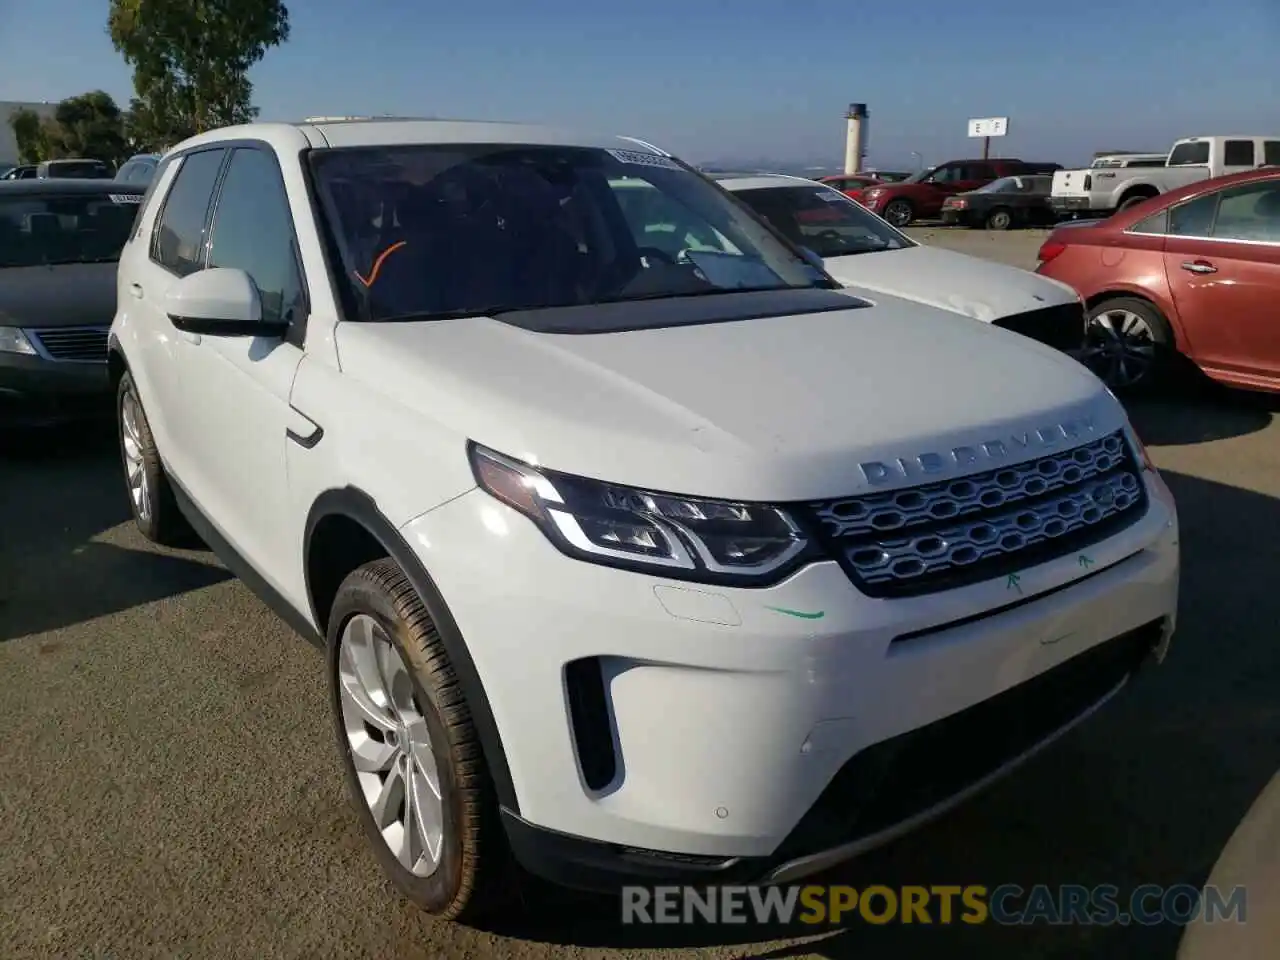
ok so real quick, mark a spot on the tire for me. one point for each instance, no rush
(470, 874)
(151, 500)
(900, 213)
(1001, 218)
(1126, 315)
(1134, 200)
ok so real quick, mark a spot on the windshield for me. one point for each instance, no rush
(824, 220)
(37, 230)
(921, 175)
(435, 231)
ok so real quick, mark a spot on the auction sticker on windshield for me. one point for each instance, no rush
(644, 159)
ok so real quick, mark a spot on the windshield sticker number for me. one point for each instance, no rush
(124, 198)
(644, 159)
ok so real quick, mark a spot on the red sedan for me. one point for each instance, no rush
(1195, 271)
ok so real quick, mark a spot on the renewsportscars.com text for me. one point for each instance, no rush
(1008, 904)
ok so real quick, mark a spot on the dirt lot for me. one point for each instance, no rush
(169, 785)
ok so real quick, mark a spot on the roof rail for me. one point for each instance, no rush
(650, 146)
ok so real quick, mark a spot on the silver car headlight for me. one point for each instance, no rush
(13, 340)
(688, 538)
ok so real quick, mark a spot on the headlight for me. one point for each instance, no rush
(874, 194)
(13, 340)
(1140, 450)
(689, 538)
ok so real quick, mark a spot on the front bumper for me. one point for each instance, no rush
(659, 730)
(35, 391)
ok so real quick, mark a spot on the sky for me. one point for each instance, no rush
(717, 81)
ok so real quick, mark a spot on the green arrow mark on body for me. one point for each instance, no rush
(1013, 583)
(799, 613)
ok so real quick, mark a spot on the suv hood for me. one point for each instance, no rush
(951, 281)
(773, 409)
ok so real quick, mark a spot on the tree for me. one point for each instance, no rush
(29, 133)
(89, 125)
(191, 60)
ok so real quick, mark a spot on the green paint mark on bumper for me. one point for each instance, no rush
(799, 613)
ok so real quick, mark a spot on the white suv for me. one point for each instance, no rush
(632, 562)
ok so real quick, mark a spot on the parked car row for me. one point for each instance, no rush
(137, 169)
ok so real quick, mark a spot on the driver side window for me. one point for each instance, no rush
(947, 174)
(252, 230)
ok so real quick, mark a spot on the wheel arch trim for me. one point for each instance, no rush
(355, 505)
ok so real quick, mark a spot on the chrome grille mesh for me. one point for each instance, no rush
(961, 531)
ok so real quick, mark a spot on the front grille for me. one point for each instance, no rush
(957, 532)
(897, 779)
(73, 344)
(1061, 327)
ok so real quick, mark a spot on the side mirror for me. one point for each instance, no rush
(219, 302)
(812, 258)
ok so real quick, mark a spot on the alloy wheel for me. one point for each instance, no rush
(898, 213)
(134, 464)
(1120, 348)
(390, 745)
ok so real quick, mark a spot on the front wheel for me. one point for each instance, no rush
(413, 761)
(899, 212)
(1128, 344)
(155, 510)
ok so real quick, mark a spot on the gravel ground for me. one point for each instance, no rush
(169, 786)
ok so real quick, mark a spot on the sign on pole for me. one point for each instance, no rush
(986, 128)
(989, 127)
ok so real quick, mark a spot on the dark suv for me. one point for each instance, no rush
(922, 195)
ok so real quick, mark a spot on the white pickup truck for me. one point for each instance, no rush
(1100, 191)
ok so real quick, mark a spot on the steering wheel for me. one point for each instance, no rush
(830, 235)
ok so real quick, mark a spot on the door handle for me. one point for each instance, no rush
(1199, 266)
(189, 337)
(135, 291)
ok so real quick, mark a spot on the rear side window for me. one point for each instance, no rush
(178, 242)
(54, 229)
(1271, 152)
(1250, 213)
(1194, 218)
(1237, 153)
(1189, 154)
(252, 230)
(1157, 224)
